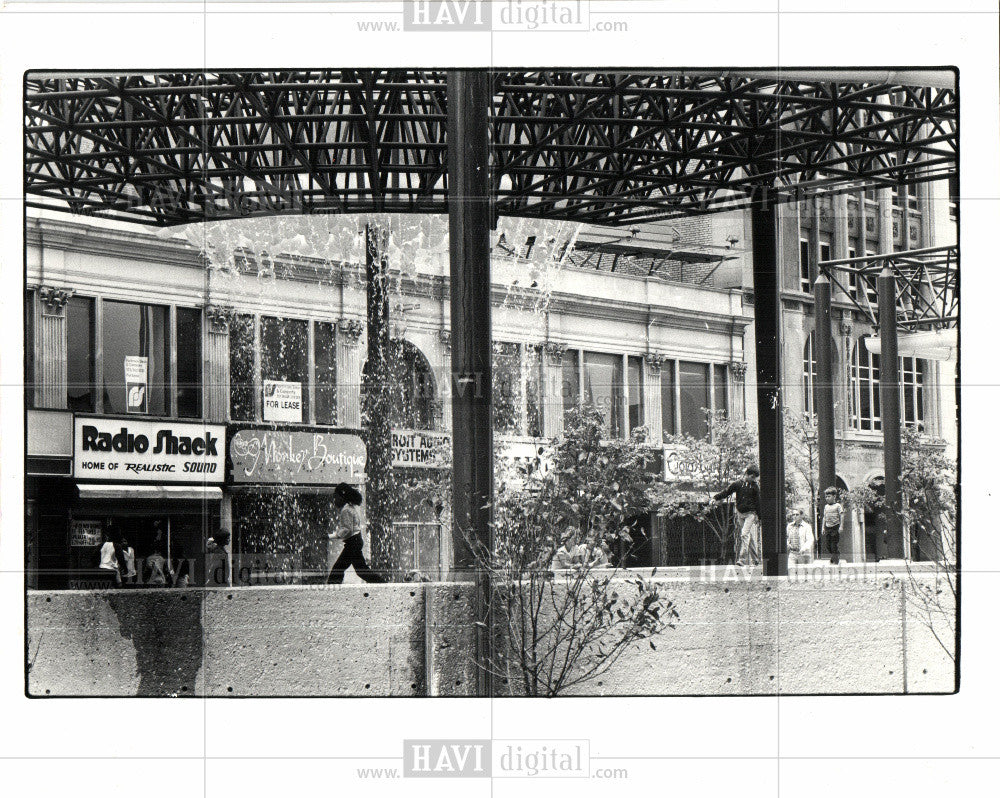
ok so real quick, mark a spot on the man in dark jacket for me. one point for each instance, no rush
(747, 492)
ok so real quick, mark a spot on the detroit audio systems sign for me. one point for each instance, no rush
(129, 450)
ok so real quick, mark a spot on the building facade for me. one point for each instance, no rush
(173, 393)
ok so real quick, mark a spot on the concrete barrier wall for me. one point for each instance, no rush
(733, 637)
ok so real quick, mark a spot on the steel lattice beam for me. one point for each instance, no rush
(926, 285)
(603, 147)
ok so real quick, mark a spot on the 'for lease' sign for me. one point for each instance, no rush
(283, 401)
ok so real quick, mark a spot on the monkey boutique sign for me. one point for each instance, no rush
(130, 450)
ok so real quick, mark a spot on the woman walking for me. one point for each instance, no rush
(347, 527)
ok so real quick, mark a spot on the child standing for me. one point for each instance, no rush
(832, 517)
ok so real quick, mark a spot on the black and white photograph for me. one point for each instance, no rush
(340, 376)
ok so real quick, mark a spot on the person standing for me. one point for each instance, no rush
(128, 554)
(348, 527)
(157, 567)
(180, 569)
(109, 558)
(219, 568)
(800, 540)
(747, 492)
(833, 515)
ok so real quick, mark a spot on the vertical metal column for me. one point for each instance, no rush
(469, 95)
(469, 214)
(823, 385)
(767, 325)
(891, 426)
(377, 381)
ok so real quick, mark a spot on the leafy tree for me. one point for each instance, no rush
(929, 510)
(801, 461)
(711, 464)
(550, 630)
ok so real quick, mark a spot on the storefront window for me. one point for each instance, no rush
(80, 355)
(284, 354)
(132, 329)
(636, 416)
(667, 398)
(325, 358)
(695, 398)
(188, 363)
(602, 389)
(241, 368)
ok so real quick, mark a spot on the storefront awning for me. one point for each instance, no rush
(165, 492)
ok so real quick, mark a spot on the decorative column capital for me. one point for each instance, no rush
(352, 329)
(738, 368)
(219, 318)
(655, 361)
(555, 352)
(54, 299)
(444, 336)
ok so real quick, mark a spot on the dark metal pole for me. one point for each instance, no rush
(767, 326)
(377, 381)
(823, 386)
(889, 397)
(469, 214)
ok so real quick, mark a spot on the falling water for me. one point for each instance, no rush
(248, 261)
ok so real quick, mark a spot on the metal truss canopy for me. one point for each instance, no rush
(926, 285)
(605, 147)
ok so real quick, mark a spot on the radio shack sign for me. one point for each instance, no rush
(130, 450)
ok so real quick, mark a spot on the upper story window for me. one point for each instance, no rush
(825, 251)
(634, 384)
(689, 389)
(167, 342)
(953, 196)
(80, 395)
(602, 388)
(871, 286)
(810, 372)
(189, 362)
(280, 350)
(805, 253)
(135, 330)
(284, 357)
(865, 404)
(412, 388)
(611, 383)
(517, 402)
(852, 279)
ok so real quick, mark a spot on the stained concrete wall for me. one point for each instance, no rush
(733, 637)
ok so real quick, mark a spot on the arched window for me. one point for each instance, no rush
(411, 386)
(810, 372)
(865, 400)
